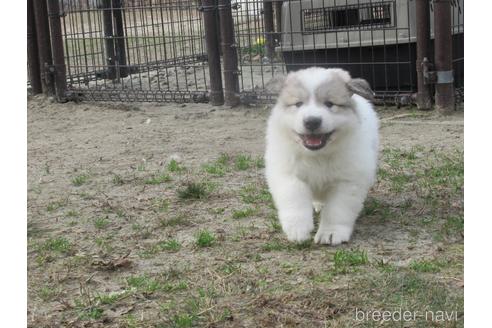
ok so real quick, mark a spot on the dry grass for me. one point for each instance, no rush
(124, 252)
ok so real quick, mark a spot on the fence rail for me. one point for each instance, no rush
(162, 50)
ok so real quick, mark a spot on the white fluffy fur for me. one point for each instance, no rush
(334, 179)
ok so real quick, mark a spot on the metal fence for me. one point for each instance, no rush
(135, 50)
(162, 50)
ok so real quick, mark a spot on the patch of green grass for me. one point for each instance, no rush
(254, 194)
(47, 293)
(92, 312)
(230, 268)
(214, 169)
(130, 321)
(158, 179)
(178, 220)
(378, 208)
(383, 266)
(183, 320)
(120, 213)
(273, 222)
(175, 167)
(345, 260)
(205, 238)
(411, 291)
(454, 225)
(173, 287)
(118, 180)
(72, 214)
(46, 250)
(289, 268)
(101, 222)
(160, 205)
(194, 191)
(244, 213)
(274, 245)
(307, 244)
(144, 283)
(171, 245)
(325, 277)
(259, 163)
(53, 206)
(243, 162)
(217, 211)
(59, 244)
(223, 159)
(219, 167)
(104, 243)
(111, 298)
(426, 265)
(79, 180)
(436, 175)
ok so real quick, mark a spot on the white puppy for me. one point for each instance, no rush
(322, 150)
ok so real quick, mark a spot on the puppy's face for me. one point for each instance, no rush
(317, 106)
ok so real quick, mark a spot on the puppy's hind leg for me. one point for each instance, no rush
(294, 204)
(338, 216)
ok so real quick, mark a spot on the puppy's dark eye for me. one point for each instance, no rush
(299, 104)
(328, 103)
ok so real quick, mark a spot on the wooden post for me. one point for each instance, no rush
(120, 37)
(209, 9)
(108, 39)
(278, 19)
(229, 53)
(423, 46)
(44, 46)
(268, 13)
(32, 51)
(57, 49)
(443, 57)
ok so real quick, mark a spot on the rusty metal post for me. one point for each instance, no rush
(58, 68)
(32, 51)
(108, 39)
(424, 101)
(119, 32)
(44, 46)
(443, 56)
(278, 19)
(209, 9)
(268, 13)
(229, 53)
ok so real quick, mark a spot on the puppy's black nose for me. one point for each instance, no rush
(312, 122)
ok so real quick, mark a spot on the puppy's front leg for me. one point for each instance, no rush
(294, 204)
(338, 216)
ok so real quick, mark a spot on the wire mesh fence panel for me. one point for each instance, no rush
(375, 40)
(139, 50)
(154, 50)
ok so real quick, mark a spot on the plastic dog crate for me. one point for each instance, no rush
(374, 40)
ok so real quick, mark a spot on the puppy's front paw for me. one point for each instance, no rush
(298, 232)
(333, 235)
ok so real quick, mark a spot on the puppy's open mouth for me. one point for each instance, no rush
(315, 141)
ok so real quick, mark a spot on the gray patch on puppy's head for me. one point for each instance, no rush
(293, 91)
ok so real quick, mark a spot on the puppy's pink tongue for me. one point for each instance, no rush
(313, 140)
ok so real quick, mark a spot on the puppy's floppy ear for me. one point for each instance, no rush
(361, 87)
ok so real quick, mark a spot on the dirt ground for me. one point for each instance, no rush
(157, 215)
